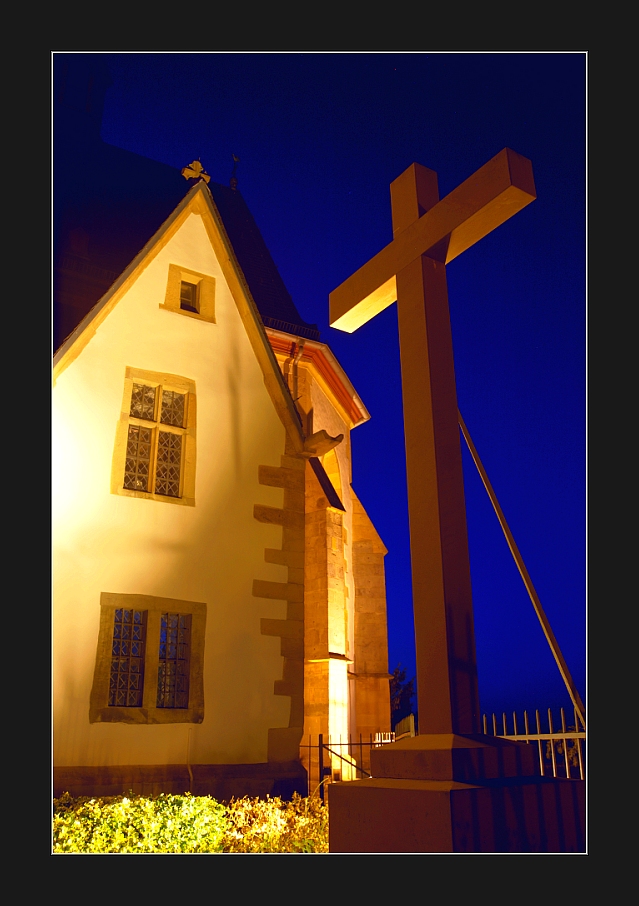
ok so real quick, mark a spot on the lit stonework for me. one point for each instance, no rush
(345, 637)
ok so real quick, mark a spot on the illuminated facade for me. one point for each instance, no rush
(218, 587)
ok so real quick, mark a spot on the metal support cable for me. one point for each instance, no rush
(545, 625)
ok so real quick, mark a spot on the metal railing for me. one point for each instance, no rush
(341, 759)
(561, 751)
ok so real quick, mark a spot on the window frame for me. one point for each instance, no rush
(205, 293)
(99, 709)
(194, 298)
(162, 382)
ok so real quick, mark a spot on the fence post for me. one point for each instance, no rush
(578, 741)
(565, 744)
(539, 744)
(552, 744)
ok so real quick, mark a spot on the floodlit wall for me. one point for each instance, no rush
(209, 553)
(346, 651)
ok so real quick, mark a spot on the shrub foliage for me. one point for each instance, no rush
(188, 824)
(273, 826)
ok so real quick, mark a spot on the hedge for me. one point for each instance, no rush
(188, 824)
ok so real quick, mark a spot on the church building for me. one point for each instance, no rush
(218, 588)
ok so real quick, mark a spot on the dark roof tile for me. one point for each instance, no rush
(109, 202)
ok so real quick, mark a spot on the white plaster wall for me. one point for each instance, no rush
(211, 552)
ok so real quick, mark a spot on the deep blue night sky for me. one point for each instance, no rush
(320, 137)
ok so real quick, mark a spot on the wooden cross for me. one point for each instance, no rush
(428, 233)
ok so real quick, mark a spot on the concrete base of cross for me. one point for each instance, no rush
(458, 794)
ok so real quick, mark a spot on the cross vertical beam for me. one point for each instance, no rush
(447, 689)
(427, 234)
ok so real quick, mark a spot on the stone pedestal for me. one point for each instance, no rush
(458, 794)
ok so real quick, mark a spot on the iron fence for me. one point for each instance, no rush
(329, 759)
(561, 751)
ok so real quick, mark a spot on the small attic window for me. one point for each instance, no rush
(188, 297)
(190, 293)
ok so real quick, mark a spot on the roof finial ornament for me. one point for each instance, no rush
(195, 170)
(233, 180)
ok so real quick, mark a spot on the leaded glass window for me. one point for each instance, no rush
(167, 475)
(127, 659)
(172, 408)
(150, 660)
(143, 402)
(174, 660)
(138, 458)
(154, 456)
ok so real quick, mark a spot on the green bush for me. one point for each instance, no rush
(137, 824)
(273, 826)
(188, 824)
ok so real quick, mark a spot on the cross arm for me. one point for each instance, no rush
(488, 198)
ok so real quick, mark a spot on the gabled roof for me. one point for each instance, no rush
(108, 202)
(273, 300)
(198, 200)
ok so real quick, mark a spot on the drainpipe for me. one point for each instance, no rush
(297, 357)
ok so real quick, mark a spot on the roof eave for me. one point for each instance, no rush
(360, 413)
